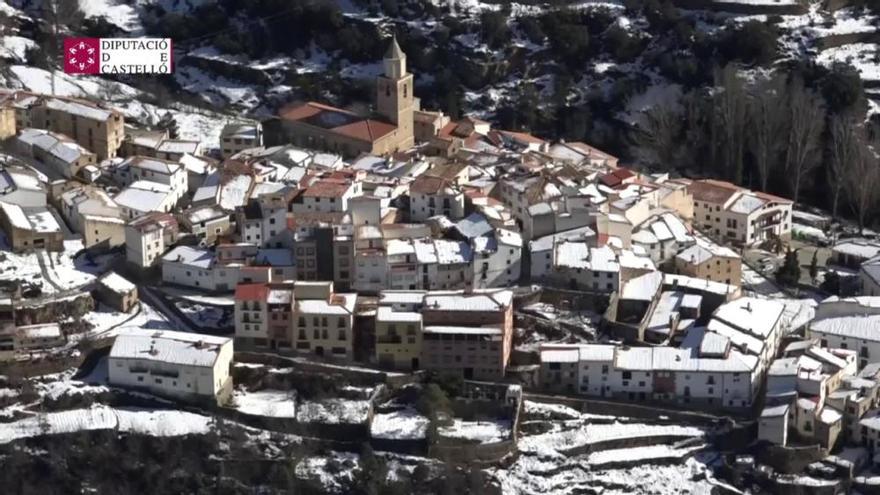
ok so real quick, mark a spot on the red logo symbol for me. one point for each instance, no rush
(82, 55)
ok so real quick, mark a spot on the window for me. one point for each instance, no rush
(627, 375)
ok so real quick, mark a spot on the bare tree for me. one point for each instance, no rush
(658, 135)
(729, 122)
(862, 180)
(806, 121)
(847, 135)
(695, 136)
(57, 13)
(766, 130)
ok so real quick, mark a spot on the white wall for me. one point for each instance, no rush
(191, 380)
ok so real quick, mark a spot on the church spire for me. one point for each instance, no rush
(394, 52)
(395, 60)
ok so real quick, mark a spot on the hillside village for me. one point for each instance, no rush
(439, 290)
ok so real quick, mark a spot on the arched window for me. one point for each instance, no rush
(404, 90)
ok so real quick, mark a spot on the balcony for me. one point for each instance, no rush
(388, 339)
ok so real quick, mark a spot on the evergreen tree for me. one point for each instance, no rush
(814, 266)
(169, 123)
(790, 272)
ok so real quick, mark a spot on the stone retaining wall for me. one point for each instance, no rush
(53, 309)
(790, 459)
(627, 409)
(744, 8)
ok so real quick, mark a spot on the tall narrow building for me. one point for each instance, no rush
(394, 94)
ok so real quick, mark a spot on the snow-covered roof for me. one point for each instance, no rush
(397, 247)
(385, 313)
(15, 215)
(714, 344)
(390, 297)
(645, 236)
(209, 188)
(279, 296)
(692, 301)
(552, 355)
(753, 315)
(858, 248)
(749, 343)
(199, 258)
(630, 259)
(23, 179)
(234, 193)
(154, 165)
(143, 196)
(474, 225)
(661, 231)
(643, 287)
(117, 283)
(165, 346)
(78, 109)
(746, 203)
(179, 146)
(704, 251)
(871, 420)
(546, 243)
(452, 252)
(478, 300)
(700, 284)
(36, 219)
(240, 130)
(338, 305)
(775, 411)
(195, 165)
(677, 227)
(580, 255)
(864, 327)
(665, 312)
(205, 214)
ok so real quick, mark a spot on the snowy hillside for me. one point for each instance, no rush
(626, 67)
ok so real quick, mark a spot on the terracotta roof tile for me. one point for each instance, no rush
(251, 292)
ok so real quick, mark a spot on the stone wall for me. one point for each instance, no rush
(836, 40)
(743, 8)
(53, 309)
(627, 409)
(790, 459)
(359, 376)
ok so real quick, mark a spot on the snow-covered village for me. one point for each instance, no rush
(443, 247)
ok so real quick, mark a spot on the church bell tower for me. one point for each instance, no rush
(394, 94)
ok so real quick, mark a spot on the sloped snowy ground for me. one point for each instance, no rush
(544, 466)
(477, 431)
(100, 417)
(193, 123)
(406, 424)
(272, 403)
(333, 411)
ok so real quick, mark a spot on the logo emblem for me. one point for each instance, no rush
(82, 55)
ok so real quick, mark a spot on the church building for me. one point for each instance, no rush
(318, 126)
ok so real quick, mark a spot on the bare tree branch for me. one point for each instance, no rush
(847, 135)
(807, 119)
(766, 130)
